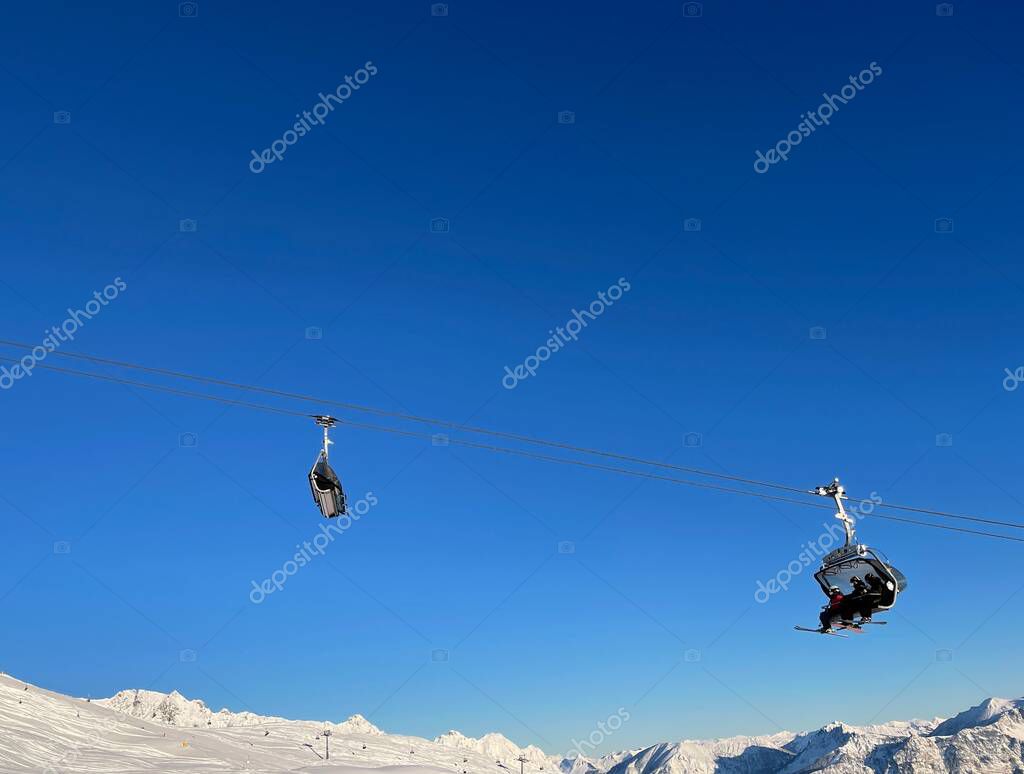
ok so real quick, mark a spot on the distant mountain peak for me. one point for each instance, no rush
(497, 747)
(129, 726)
(357, 724)
(983, 714)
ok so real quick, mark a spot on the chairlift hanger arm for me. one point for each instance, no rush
(326, 422)
(837, 492)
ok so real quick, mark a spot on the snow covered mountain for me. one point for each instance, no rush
(497, 748)
(581, 765)
(987, 739)
(146, 731)
(174, 709)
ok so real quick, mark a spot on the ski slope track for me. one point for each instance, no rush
(147, 731)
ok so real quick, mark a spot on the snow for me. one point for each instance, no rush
(147, 731)
(175, 709)
(982, 715)
(497, 748)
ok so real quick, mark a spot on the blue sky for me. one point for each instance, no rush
(713, 337)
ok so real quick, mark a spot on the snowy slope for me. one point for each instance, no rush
(146, 731)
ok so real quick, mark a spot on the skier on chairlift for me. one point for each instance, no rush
(861, 601)
(871, 596)
(876, 592)
(832, 610)
(878, 586)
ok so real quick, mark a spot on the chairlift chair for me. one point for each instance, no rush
(323, 481)
(856, 559)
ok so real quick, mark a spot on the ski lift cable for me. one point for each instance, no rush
(946, 515)
(501, 434)
(670, 479)
(162, 388)
(414, 434)
(529, 454)
(473, 444)
(413, 418)
(496, 433)
(946, 527)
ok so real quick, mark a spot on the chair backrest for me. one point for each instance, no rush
(326, 489)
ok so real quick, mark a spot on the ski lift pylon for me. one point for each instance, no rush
(323, 481)
(856, 559)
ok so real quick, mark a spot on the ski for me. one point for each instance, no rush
(816, 631)
(859, 624)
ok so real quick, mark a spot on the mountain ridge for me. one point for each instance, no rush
(47, 731)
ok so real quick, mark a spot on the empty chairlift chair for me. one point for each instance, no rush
(323, 481)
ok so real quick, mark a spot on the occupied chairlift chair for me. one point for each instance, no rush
(838, 567)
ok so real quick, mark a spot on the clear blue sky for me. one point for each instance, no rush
(460, 122)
